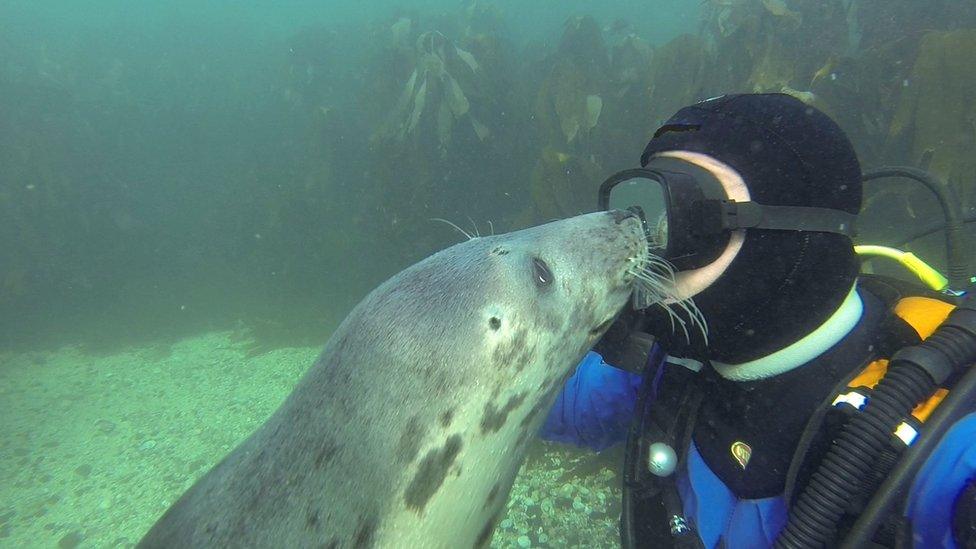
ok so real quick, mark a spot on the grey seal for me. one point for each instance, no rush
(410, 427)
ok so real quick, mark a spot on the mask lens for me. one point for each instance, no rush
(646, 197)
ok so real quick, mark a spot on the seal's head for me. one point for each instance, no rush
(557, 284)
(576, 274)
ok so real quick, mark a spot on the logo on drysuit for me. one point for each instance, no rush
(741, 452)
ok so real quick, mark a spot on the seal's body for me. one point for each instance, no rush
(410, 427)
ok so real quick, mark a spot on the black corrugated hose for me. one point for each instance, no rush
(914, 373)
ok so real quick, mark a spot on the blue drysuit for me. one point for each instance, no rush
(596, 408)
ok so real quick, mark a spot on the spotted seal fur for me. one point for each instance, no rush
(410, 427)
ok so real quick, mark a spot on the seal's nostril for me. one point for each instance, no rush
(620, 215)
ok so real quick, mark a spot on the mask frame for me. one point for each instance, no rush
(700, 218)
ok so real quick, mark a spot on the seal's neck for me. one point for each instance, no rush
(810, 347)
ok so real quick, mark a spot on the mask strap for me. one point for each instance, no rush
(752, 215)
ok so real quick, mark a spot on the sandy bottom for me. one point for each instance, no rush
(93, 448)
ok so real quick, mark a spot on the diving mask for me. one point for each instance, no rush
(688, 218)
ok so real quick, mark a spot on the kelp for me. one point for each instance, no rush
(677, 76)
(570, 101)
(433, 90)
(562, 184)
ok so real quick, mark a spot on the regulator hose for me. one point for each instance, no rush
(957, 269)
(957, 404)
(931, 228)
(914, 373)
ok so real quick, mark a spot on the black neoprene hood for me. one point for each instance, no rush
(782, 284)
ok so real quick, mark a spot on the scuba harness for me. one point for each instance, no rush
(667, 410)
(862, 455)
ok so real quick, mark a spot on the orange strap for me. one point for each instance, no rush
(924, 315)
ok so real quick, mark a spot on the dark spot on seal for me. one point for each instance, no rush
(409, 442)
(431, 473)
(325, 453)
(498, 250)
(513, 354)
(494, 323)
(492, 495)
(495, 418)
(447, 417)
(312, 520)
(486, 531)
(333, 543)
(365, 532)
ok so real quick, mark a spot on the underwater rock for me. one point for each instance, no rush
(936, 114)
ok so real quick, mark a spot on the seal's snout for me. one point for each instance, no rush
(619, 216)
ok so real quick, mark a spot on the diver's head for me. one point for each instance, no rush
(758, 195)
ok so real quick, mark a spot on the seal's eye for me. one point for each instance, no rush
(541, 273)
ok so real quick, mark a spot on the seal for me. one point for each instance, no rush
(409, 428)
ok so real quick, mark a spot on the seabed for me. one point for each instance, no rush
(101, 444)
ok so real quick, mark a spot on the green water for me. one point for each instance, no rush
(194, 194)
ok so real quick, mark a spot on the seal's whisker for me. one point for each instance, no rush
(492, 227)
(459, 229)
(475, 225)
(655, 285)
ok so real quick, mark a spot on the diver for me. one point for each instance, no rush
(771, 395)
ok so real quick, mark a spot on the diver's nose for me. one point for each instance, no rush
(620, 215)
